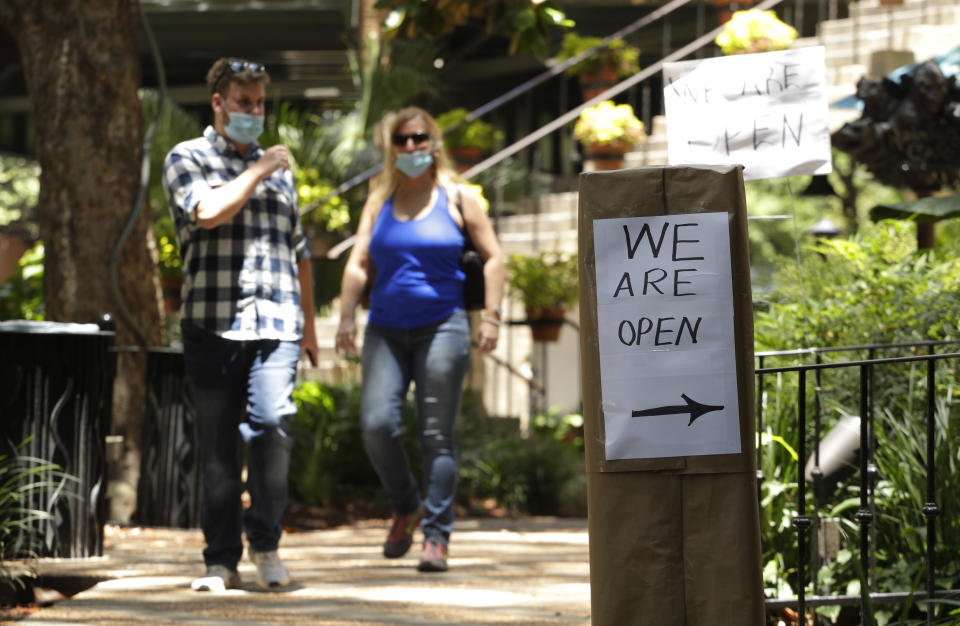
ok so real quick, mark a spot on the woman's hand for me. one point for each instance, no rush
(346, 340)
(487, 334)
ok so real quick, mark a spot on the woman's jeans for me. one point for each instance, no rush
(435, 357)
(240, 390)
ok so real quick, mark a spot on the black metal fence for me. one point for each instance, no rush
(168, 493)
(867, 471)
(56, 387)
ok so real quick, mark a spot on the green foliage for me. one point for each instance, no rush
(527, 24)
(872, 288)
(623, 58)
(331, 215)
(609, 123)
(19, 191)
(21, 295)
(780, 213)
(755, 31)
(540, 474)
(545, 280)
(328, 465)
(474, 134)
(173, 126)
(20, 478)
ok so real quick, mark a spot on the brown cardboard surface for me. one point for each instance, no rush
(674, 549)
(673, 540)
(649, 191)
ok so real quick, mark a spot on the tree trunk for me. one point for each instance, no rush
(81, 67)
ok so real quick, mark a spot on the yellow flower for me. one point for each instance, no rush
(609, 123)
(755, 31)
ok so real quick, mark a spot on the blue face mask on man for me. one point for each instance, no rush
(244, 128)
(413, 164)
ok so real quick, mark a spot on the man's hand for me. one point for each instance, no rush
(274, 158)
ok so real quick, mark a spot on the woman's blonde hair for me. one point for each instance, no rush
(443, 171)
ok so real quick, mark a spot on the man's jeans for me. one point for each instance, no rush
(435, 357)
(240, 389)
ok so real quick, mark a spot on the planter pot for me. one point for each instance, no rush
(545, 324)
(466, 157)
(171, 293)
(606, 156)
(592, 85)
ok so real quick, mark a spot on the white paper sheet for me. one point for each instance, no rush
(766, 111)
(665, 331)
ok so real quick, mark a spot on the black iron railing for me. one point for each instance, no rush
(867, 470)
(56, 383)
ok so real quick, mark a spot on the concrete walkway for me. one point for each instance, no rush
(526, 571)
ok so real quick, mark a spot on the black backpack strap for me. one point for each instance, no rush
(467, 241)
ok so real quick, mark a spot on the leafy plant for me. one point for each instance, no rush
(21, 295)
(608, 123)
(755, 31)
(499, 469)
(526, 23)
(546, 280)
(19, 191)
(458, 133)
(619, 56)
(20, 478)
(873, 288)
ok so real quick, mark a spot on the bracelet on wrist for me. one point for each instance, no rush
(491, 320)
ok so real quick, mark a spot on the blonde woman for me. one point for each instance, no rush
(410, 237)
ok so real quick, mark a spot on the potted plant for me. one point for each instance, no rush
(168, 265)
(468, 142)
(604, 68)
(607, 131)
(547, 283)
(755, 31)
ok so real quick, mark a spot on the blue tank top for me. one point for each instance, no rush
(418, 280)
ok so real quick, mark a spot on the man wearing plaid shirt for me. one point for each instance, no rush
(247, 313)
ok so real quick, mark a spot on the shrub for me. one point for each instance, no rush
(874, 288)
(499, 469)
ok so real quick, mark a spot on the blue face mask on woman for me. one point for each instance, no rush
(244, 128)
(414, 164)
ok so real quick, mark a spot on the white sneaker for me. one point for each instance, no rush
(271, 571)
(217, 578)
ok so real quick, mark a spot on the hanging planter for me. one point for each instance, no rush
(607, 156)
(605, 68)
(547, 284)
(595, 83)
(468, 142)
(608, 131)
(545, 324)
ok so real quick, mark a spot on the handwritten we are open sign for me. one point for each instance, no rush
(765, 111)
(665, 329)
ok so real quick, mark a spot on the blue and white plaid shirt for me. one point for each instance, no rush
(240, 278)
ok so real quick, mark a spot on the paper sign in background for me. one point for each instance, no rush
(766, 111)
(665, 334)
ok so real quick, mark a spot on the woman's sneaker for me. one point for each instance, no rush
(271, 572)
(434, 557)
(401, 535)
(217, 578)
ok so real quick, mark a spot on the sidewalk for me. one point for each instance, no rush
(525, 571)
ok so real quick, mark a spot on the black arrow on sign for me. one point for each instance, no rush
(694, 408)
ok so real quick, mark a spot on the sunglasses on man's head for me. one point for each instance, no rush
(239, 66)
(400, 139)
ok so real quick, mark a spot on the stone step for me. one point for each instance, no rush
(865, 8)
(943, 15)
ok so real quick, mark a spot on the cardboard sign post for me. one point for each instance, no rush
(667, 370)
